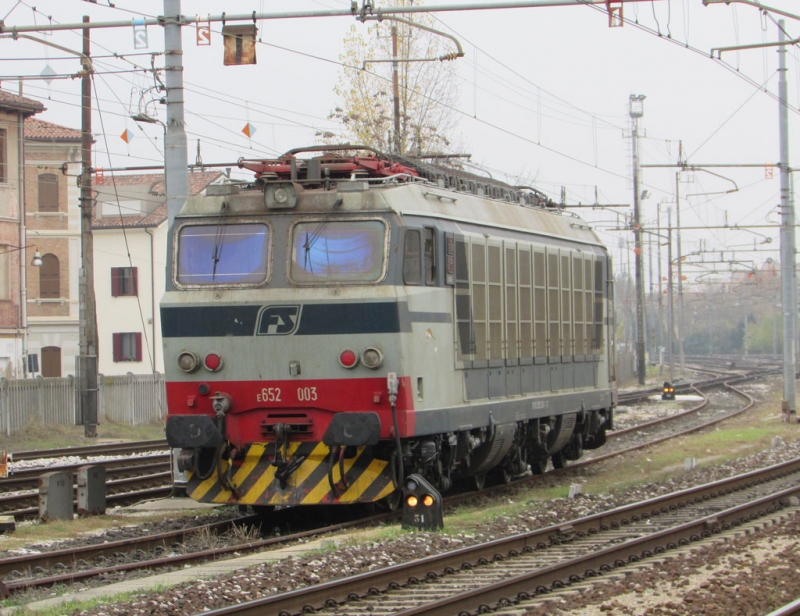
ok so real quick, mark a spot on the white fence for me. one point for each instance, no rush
(134, 399)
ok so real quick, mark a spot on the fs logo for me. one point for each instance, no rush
(278, 320)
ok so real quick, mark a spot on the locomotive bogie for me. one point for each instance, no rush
(328, 337)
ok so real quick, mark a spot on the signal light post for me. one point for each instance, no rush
(422, 504)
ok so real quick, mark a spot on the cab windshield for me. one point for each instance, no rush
(223, 254)
(342, 251)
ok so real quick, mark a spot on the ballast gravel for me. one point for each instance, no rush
(731, 581)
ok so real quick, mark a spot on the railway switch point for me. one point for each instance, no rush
(422, 505)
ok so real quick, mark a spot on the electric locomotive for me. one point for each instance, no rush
(351, 317)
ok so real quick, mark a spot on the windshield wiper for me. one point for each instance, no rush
(312, 238)
(219, 236)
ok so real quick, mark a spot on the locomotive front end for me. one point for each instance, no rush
(279, 342)
(348, 320)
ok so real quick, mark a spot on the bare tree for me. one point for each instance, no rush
(426, 87)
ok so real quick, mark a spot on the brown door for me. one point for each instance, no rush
(51, 361)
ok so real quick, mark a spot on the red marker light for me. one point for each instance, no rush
(213, 362)
(348, 358)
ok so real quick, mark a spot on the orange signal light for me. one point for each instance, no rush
(412, 501)
(427, 500)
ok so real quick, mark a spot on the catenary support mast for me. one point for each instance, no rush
(788, 275)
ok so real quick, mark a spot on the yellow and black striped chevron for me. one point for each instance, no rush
(366, 479)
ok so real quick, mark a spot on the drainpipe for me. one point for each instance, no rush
(23, 253)
(153, 294)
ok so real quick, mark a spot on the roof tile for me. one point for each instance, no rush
(197, 183)
(15, 102)
(39, 130)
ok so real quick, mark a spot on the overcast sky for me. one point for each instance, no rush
(544, 96)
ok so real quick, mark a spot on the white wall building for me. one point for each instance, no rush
(130, 244)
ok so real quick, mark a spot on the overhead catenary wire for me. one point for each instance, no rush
(584, 161)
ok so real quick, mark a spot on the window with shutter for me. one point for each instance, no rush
(127, 346)
(124, 282)
(48, 192)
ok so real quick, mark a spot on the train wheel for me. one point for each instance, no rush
(538, 467)
(478, 481)
(559, 460)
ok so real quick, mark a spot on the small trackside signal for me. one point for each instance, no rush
(668, 391)
(422, 504)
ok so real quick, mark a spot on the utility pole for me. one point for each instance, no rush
(681, 321)
(87, 360)
(636, 110)
(395, 91)
(671, 324)
(789, 403)
(176, 159)
(660, 331)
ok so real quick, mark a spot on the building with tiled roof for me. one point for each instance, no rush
(19, 104)
(53, 229)
(39, 130)
(14, 109)
(130, 247)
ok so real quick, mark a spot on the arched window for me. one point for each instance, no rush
(48, 192)
(49, 278)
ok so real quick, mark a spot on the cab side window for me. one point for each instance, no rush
(412, 257)
(430, 255)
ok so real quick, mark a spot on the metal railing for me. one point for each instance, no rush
(133, 399)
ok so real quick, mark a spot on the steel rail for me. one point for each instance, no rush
(92, 450)
(28, 478)
(524, 586)
(338, 591)
(118, 490)
(70, 556)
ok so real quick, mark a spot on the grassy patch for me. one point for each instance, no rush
(29, 533)
(36, 436)
(746, 434)
(70, 607)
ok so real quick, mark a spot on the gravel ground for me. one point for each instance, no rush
(294, 573)
(748, 575)
(631, 596)
(18, 465)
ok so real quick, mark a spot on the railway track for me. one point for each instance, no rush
(129, 479)
(104, 449)
(721, 373)
(66, 558)
(28, 478)
(86, 571)
(126, 491)
(511, 571)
